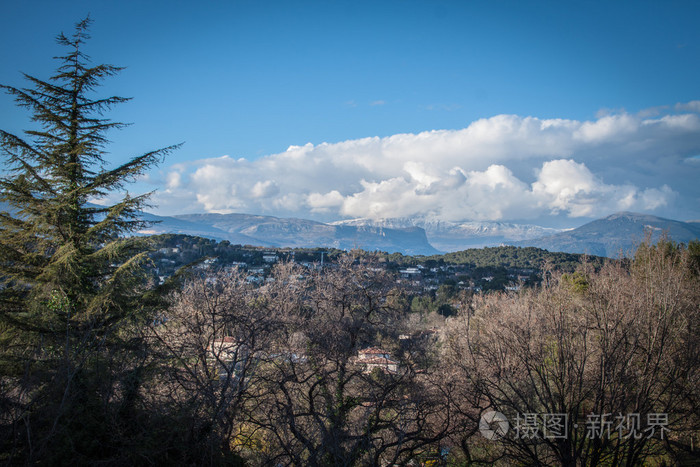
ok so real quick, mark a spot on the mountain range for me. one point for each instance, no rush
(612, 236)
(249, 229)
(456, 236)
(616, 235)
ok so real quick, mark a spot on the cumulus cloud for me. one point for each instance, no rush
(567, 185)
(503, 167)
(173, 180)
(325, 202)
(264, 189)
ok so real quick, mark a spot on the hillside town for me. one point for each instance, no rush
(257, 262)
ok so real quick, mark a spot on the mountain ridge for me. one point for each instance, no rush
(261, 230)
(615, 235)
(618, 234)
(455, 236)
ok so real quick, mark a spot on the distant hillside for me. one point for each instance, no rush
(615, 235)
(456, 236)
(510, 257)
(301, 233)
(173, 225)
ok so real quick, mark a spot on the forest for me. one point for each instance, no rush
(103, 363)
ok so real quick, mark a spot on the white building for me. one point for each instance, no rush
(410, 273)
(374, 357)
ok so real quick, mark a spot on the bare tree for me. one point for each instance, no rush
(593, 367)
(323, 406)
(206, 344)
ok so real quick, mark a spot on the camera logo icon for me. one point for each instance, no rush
(493, 425)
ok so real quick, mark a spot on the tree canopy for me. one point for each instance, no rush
(69, 275)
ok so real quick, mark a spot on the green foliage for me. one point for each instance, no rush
(53, 240)
(72, 284)
(398, 300)
(514, 257)
(509, 257)
(446, 310)
(423, 304)
(577, 282)
(694, 257)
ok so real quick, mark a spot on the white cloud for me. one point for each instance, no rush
(607, 129)
(566, 185)
(173, 180)
(264, 189)
(692, 106)
(502, 167)
(324, 202)
(653, 198)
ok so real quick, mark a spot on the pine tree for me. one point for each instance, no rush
(71, 278)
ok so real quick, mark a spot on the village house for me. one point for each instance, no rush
(410, 273)
(227, 349)
(374, 357)
(229, 355)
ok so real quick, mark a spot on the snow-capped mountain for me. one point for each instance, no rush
(290, 232)
(456, 236)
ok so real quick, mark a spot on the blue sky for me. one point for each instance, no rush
(585, 107)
